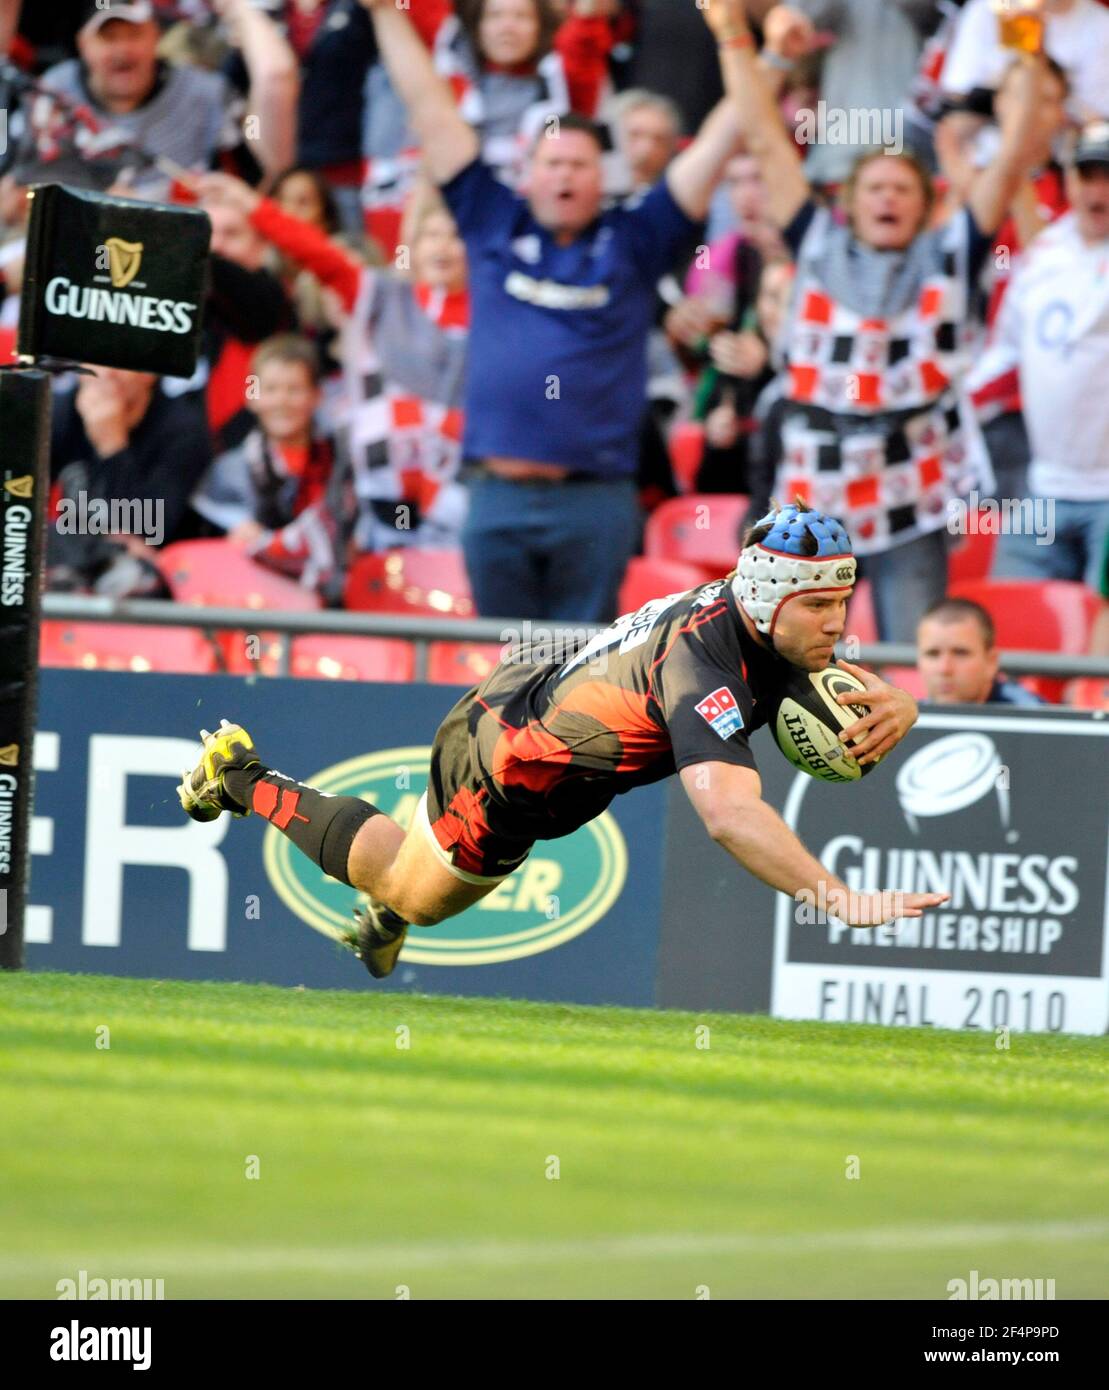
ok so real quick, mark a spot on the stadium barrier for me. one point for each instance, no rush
(424, 630)
(640, 908)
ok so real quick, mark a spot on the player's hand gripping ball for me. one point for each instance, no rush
(807, 723)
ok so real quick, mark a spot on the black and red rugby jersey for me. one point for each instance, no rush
(678, 682)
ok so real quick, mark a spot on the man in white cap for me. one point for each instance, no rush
(119, 102)
(547, 740)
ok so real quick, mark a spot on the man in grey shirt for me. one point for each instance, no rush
(118, 103)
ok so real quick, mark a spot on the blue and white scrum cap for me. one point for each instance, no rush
(775, 569)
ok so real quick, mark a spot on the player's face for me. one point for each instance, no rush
(287, 399)
(888, 206)
(564, 184)
(1088, 191)
(954, 662)
(121, 58)
(508, 32)
(808, 628)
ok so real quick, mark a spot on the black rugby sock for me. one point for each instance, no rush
(321, 826)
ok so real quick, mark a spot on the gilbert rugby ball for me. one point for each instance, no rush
(807, 723)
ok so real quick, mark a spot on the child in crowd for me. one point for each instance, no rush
(403, 351)
(270, 495)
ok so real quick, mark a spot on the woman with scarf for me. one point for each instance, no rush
(874, 424)
(403, 350)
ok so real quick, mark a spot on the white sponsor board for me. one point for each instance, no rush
(1013, 826)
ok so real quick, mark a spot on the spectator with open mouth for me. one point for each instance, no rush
(564, 296)
(120, 103)
(874, 425)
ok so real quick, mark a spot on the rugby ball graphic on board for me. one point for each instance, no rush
(807, 723)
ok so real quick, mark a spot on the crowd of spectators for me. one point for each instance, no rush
(477, 263)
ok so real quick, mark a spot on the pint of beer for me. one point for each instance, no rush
(1020, 25)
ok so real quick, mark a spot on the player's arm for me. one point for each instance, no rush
(728, 798)
(759, 119)
(448, 143)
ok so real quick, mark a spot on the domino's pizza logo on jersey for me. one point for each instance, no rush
(721, 711)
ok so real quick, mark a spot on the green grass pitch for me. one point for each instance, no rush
(680, 1168)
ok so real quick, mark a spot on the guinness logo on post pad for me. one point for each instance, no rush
(124, 259)
(77, 307)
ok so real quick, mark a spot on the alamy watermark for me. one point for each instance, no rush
(77, 1343)
(83, 515)
(847, 906)
(866, 127)
(531, 642)
(84, 1287)
(977, 1287)
(1009, 516)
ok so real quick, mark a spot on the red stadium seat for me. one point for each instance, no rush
(214, 574)
(1054, 615)
(687, 449)
(353, 658)
(461, 663)
(971, 558)
(701, 529)
(646, 579)
(907, 678)
(432, 582)
(1089, 693)
(125, 647)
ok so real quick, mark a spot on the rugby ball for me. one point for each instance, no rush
(807, 723)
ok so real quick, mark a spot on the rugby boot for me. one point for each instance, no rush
(202, 793)
(377, 937)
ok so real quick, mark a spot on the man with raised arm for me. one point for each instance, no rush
(874, 427)
(563, 302)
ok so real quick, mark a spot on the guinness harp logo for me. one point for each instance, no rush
(9, 755)
(20, 487)
(124, 259)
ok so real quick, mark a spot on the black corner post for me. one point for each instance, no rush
(24, 485)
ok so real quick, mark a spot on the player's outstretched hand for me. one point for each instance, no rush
(876, 909)
(891, 713)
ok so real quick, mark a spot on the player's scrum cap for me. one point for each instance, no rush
(776, 569)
